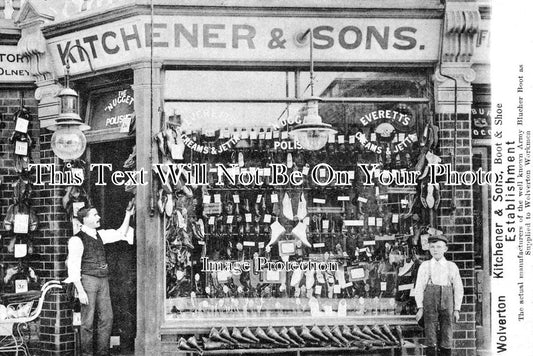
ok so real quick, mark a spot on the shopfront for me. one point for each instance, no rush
(246, 235)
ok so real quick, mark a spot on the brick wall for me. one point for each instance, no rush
(50, 240)
(458, 223)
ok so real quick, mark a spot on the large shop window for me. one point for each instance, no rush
(278, 231)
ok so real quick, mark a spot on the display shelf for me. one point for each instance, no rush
(191, 326)
(392, 350)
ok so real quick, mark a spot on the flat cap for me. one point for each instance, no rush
(436, 238)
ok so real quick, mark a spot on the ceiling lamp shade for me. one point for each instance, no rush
(312, 134)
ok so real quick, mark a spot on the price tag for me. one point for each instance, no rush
(258, 199)
(373, 136)
(379, 222)
(371, 221)
(305, 170)
(340, 138)
(211, 220)
(125, 126)
(331, 138)
(325, 224)
(76, 319)
(362, 199)
(405, 286)
(346, 285)
(351, 139)
(275, 134)
(369, 243)
(319, 201)
(21, 148)
(236, 198)
(384, 197)
(267, 218)
(21, 285)
(206, 199)
(248, 217)
(318, 290)
(383, 286)
(395, 218)
(284, 135)
(424, 239)
(357, 273)
(343, 198)
(22, 125)
(229, 219)
(274, 198)
(21, 250)
(76, 206)
(336, 289)
(273, 275)
(287, 248)
(319, 245)
(217, 198)
(21, 224)
(248, 244)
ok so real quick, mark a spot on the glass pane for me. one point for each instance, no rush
(215, 85)
(239, 243)
(365, 84)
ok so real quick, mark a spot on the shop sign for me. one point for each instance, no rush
(112, 111)
(482, 49)
(249, 39)
(481, 121)
(390, 127)
(13, 66)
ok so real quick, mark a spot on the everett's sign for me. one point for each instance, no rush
(13, 67)
(250, 39)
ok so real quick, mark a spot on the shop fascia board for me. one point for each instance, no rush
(365, 9)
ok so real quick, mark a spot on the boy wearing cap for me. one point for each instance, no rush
(88, 270)
(438, 294)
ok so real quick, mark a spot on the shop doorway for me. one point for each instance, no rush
(111, 201)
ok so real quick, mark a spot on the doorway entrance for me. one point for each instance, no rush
(111, 201)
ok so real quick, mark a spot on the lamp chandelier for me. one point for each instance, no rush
(312, 133)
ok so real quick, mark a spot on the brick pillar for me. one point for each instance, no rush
(455, 216)
(56, 331)
(453, 93)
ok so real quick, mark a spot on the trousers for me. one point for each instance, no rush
(99, 305)
(438, 315)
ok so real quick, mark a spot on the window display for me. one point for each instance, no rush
(257, 227)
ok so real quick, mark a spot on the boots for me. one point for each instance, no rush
(445, 352)
(431, 351)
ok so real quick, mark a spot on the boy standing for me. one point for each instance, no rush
(438, 294)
